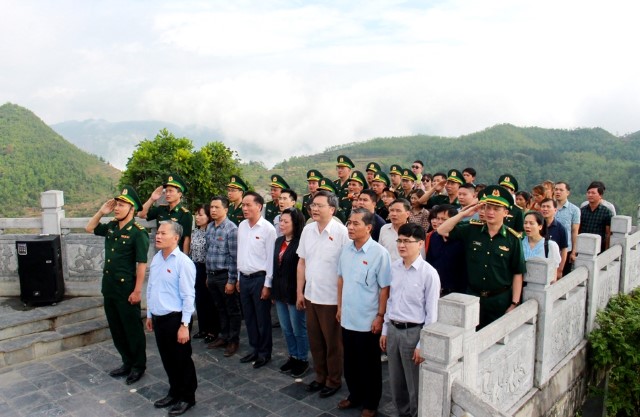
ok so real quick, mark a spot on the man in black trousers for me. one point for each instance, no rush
(170, 304)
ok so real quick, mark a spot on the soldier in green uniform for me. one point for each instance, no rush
(493, 252)
(515, 218)
(328, 185)
(271, 209)
(355, 185)
(407, 183)
(343, 167)
(379, 183)
(313, 182)
(235, 192)
(452, 185)
(125, 262)
(173, 188)
(395, 176)
(372, 169)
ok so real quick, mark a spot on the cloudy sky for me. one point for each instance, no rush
(294, 77)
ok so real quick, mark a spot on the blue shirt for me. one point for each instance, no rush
(171, 286)
(364, 272)
(567, 216)
(558, 234)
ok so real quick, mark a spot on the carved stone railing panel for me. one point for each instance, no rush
(623, 234)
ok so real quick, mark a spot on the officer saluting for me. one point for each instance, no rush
(125, 262)
(515, 218)
(173, 188)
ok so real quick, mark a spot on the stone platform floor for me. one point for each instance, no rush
(76, 383)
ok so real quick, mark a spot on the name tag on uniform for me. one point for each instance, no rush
(174, 219)
(476, 243)
(504, 248)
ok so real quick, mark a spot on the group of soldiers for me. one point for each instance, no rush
(362, 278)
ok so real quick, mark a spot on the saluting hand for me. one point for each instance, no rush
(108, 206)
(157, 193)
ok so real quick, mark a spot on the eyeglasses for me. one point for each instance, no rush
(405, 241)
(316, 205)
(415, 166)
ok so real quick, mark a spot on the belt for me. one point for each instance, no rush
(254, 275)
(486, 294)
(400, 325)
(219, 271)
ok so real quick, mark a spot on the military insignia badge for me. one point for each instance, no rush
(124, 192)
(496, 193)
(274, 179)
(170, 178)
(504, 248)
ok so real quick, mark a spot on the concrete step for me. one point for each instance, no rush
(16, 321)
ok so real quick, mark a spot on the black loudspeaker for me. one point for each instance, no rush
(40, 269)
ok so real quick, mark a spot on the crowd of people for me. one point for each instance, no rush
(354, 270)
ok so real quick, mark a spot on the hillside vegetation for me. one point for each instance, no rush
(33, 159)
(531, 154)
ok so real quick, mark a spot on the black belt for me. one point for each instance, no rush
(400, 325)
(254, 275)
(219, 271)
(486, 294)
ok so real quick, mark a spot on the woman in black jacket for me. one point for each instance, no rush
(292, 321)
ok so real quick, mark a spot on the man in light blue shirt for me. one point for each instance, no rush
(568, 215)
(364, 275)
(170, 304)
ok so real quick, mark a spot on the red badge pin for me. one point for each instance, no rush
(258, 237)
(365, 262)
(168, 270)
(331, 238)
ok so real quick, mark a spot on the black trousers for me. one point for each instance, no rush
(176, 357)
(228, 306)
(208, 321)
(362, 367)
(257, 315)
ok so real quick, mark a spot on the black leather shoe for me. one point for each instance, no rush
(134, 376)
(165, 402)
(121, 371)
(209, 338)
(249, 358)
(180, 408)
(260, 362)
(199, 335)
(329, 391)
(314, 386)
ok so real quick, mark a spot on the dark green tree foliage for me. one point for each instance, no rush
(616, 347)
(206, 171)
(33, 159)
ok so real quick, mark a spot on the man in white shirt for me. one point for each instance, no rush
(412, 304)
(319, 249)
(399, 212)
(256, 241)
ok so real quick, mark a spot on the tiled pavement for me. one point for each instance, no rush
(76, 383)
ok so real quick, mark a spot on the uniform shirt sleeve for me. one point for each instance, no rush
(101, 229)
(152, 214)
(518, 265)
(459, 231)
(187, 224)
(142, 246)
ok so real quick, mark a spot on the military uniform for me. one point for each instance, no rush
(327, 185)
(381, 209)
(124, 248)
(515, 218)
(178, 214)
(235, 213)
(272, 208)
(395, 170)
(454, 176)
(346, 202)
(342, 190)
(312, 175)
(491, 261)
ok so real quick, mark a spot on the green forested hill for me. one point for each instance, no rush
(33, 159)
(531, 154)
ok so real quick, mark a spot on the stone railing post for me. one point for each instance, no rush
(51, 202)
(442, 347)
(620, 229)
(588, 250)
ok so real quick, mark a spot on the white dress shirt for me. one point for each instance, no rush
(255, 248)
(321, 252)
(388, 237)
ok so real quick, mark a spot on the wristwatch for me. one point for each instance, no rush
(515, 303)
(185, 324)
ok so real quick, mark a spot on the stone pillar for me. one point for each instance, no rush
(620, 229)
(51, 202)
(588, 250)
(442, 347)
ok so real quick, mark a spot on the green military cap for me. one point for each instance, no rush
(358, 177)
(129, 195)
(344, 161)
(327, 185)
(395, 169)
(373, 166)
(496, 195)
(381, 177)
(407, 174)
(314, 175)
(278, 182)
(237, 182)
(176, 180)
(455, 176)
(509, 181)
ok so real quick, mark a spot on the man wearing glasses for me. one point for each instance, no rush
(412, 304)
(417, 167)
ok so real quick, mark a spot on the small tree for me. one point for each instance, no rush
(206, 171)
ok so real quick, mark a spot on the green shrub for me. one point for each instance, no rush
(616, 347)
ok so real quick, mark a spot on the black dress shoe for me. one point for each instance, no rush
(260, 362)
(121, 371)
(134, 376)
(329, 391)
(199, 335)
(180, 408)
(249, 358)
(165, 402)
(210, 338)
(314, 386)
